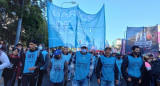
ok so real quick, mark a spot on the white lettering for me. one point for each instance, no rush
(72, 13)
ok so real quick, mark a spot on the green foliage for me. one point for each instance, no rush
(34, 23)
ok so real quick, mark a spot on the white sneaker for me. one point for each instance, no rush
(69, 79)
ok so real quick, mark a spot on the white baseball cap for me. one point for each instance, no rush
(84, 45)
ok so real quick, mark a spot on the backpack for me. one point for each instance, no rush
(156, 68)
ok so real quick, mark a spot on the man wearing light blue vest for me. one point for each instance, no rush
(132, 67)
(82, 67)
(119, 61)
(59, 69)
(32, 63)
(67, 57)
(43, 70)
(107, 70)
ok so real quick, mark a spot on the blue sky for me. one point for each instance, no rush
(120, 13)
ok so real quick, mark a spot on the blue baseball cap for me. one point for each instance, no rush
(57, 52)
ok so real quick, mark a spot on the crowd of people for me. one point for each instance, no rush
(62, 66)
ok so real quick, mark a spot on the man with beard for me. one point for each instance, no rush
(67, 56)
(59, 69)
(107, 70)
(132, 67)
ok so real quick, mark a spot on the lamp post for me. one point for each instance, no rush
(125, 35)
(73, 2)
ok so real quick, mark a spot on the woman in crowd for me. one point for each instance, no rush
(12, 72)
(147, 77)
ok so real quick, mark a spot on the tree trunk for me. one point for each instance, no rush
(19, 25)
(18, 31)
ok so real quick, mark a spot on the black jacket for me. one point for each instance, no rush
(147, 77)
(124, 67)
(9, 71)
(46, 62)
(99, 67)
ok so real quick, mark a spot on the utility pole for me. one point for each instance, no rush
(19, 25)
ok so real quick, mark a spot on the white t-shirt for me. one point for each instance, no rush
(4, 60)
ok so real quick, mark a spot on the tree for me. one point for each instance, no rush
(33, 15)
(8, 19)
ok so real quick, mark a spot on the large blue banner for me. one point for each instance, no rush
(91, 29)
(72, 27)
(61, 25)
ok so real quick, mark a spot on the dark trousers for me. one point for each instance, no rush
(65, 83)
(29, 79)
(155, 80)
(55, 84)
(10, 81)
(134, 82)
(40, 77)
(158, 83)
(19, 82)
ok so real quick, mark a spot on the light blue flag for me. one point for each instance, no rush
(92, 26)
(66, 26)
(59, 21)
(88, 39)
(70, 27)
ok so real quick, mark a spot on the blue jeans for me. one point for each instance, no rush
(83, 82)
(106, 83)
(69, 74)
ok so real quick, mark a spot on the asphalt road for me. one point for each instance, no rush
(93, 82)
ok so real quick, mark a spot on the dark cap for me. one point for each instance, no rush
(57, 52)
(107, 48)
(150, 55)
(19, 44)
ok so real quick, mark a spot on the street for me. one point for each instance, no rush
(45, 82)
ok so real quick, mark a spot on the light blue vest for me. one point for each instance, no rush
(134, 66)
(57, 70)
(119, 64)
(82, 66)
(108, 68)
(30, 61)
(94, 58)
(44, 53)
(67, 57)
